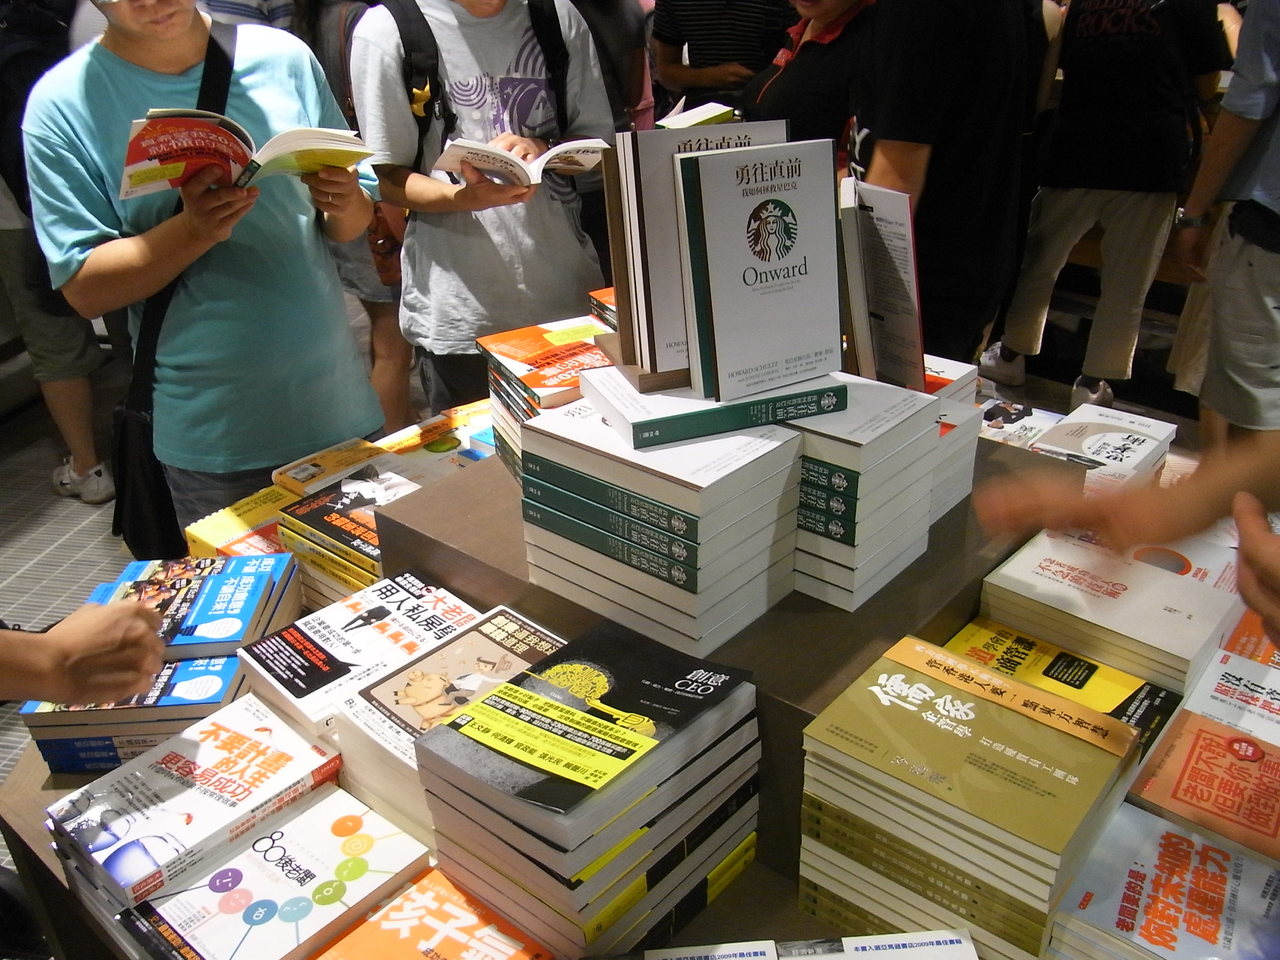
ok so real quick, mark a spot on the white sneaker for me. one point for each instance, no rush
(1103, 396)
(1011, 373)
(96, 486)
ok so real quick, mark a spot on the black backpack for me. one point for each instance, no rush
(34, 35)
(422, 65)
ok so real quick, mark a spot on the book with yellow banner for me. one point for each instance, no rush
(1139, 703)
(586, 733)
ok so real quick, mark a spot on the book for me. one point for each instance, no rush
(1241, 692)
(1116, 447)
(650, 419)
(880, 275)
(757, 227)
(305, 668)
(919, 945)
(542, 361)
(168, 146)
(646, 175)
(1144, 705)
(677, 485)
(308, 474)
(161, 816)
(290, 886)
(1150, 888)
(879, 419)
(245, 528)
(1214, 777)
(980, 736)
(705, 113)
(570, 157)
(436, 915)
(185, 689)
(568, 745)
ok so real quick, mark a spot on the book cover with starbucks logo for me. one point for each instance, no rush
(759, 265)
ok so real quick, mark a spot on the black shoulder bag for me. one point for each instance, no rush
(144, 513)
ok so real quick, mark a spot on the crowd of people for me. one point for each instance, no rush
(256, 364)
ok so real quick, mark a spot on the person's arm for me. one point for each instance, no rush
(900, 165)
(126, 270)
(674, 74)
(1024, 502)
(348, 210)
(402, 187)
(97, 654)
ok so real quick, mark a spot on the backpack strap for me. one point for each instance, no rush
(421, 71)
(546, 28)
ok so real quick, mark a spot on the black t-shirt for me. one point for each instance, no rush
(949, 73)
(1127, 95)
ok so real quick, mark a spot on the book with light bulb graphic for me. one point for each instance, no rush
(288, 887)
(161, 816)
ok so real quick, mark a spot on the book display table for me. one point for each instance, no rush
(465, 532)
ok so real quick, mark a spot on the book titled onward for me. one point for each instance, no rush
(168, 147)
(570, 157)
(161, 816)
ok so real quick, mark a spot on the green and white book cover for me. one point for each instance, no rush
(963, 740)
(760, 266)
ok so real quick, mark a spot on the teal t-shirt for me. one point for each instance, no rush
(256, 364)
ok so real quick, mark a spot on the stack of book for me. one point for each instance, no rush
(1150, 888)
(647, 242)
(1143, 705)
(96, 737)
(686, 543)
(247, 527)
(604, 306)
(1115, 446)
(1217, 769)
(593, 792)
(535, 368)
(950, 379)
(304, 669)
(1115, 609)
(866, 484)
(938, 793)
(378, 718)
(436, 918)
(959, 428)
(210, 606)
(287, 888)
(1015, 424)
(921, 945)
(159, 820)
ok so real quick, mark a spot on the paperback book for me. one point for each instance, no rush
(543, 361)
(167, 147)
(160, 817)
(757, 227)
(291, 885)
(245, 528)
(565, 747)
(306, 668)
(570, 158)
(922, 945)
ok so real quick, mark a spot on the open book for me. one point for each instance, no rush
(167, 147)
(570, 157)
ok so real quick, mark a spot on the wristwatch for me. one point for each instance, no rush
(1184, 222)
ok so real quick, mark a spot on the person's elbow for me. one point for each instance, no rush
(86, 298)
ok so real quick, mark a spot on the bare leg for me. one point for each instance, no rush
(390, 358)
(70, 403)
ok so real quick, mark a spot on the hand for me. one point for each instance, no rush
(523, 148)
(725, 75)
(211, 210)
(337, 190)
(1259, 575)
(99, 654)
(478, 192)
(1188, 248)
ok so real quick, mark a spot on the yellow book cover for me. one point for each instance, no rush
(1139, 703)
(245, 528)
(308, 474)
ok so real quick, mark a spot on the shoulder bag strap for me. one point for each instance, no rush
(214, 83)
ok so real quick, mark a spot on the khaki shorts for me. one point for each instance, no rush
(62, 344)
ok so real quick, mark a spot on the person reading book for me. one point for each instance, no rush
(480, 257)
(255, 365)
(95, 655)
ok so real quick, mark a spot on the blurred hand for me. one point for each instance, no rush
(211, 210)
(524, 148)
(1259, 576)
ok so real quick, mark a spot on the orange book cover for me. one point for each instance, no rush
(1249, 640)
(545, 359)
(440, 921)
(1206, 774)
